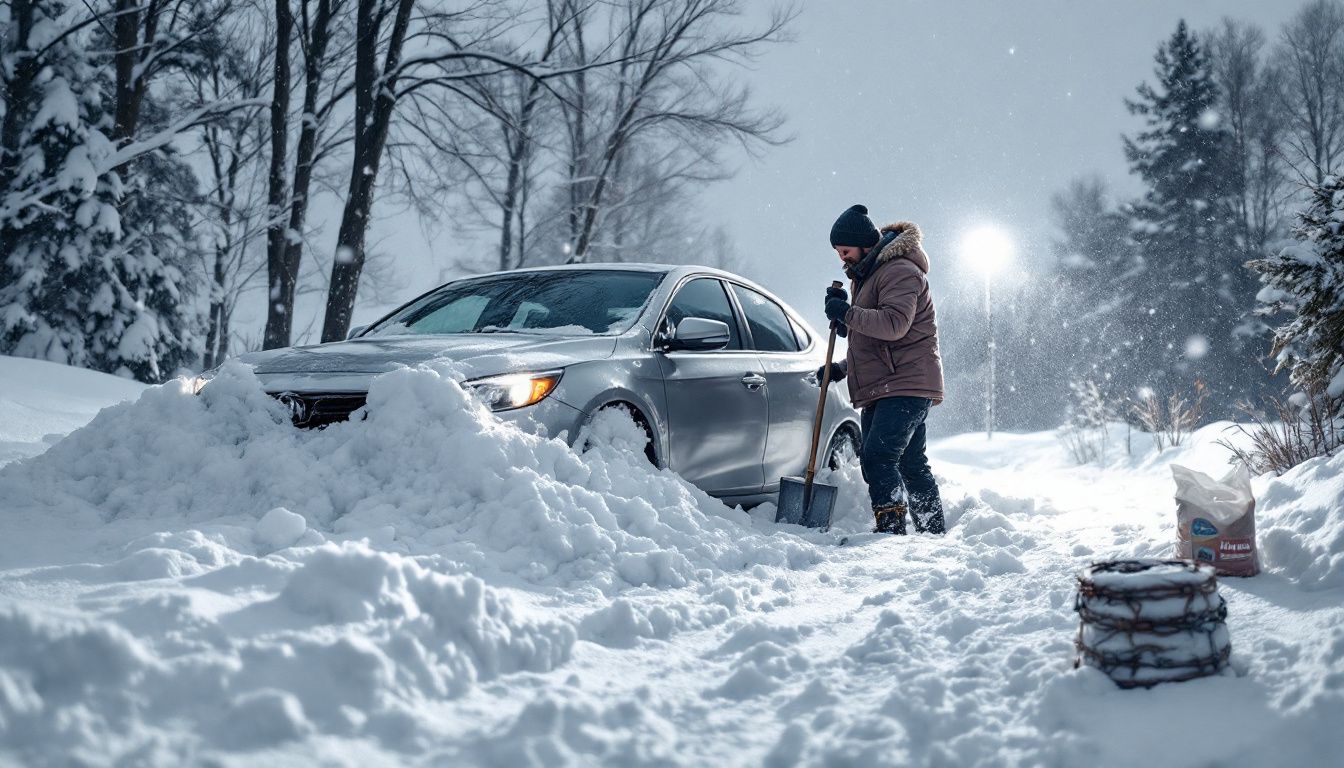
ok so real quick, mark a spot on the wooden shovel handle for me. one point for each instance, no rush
(821, 409)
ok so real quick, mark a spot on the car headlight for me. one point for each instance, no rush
(198, 383)
(513, 390)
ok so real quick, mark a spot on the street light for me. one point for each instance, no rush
(988, 250)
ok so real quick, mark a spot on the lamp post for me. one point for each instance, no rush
(987, 250)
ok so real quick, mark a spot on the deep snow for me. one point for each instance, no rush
(41, 400)
(188, 579)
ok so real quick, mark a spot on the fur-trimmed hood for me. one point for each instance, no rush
(906, 245)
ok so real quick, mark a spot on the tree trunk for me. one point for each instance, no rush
(314, 61)
(522, 226)
(280, 281)
(578, 139)
(129, 92)
(218, 290)
(375, 101)
(519, 149)
(211, 336)
(226, 317)
(594, 201)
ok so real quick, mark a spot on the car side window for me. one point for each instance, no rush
(770, 327)
(800, 333)
(705, 297)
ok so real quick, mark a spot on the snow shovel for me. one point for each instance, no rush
(802, 501)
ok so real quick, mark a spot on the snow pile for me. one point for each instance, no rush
(429, 471)
(1301, 522)
(190, 580)
(351, 642)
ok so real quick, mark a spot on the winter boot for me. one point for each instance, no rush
(890, 518)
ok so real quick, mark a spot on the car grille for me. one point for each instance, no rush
(310, 410)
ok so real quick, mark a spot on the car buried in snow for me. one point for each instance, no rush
(719, 373)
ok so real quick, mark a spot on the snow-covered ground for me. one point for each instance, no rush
(40, 402)
(190, 580)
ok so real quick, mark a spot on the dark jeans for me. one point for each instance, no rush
(893, 460)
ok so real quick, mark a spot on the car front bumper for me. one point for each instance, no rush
(316, 401)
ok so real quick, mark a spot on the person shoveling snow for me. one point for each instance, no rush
(894, 370)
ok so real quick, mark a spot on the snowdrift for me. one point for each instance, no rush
(429, 471)
(261, 586)
(1301, 523)
(188, 579)
(354, 642)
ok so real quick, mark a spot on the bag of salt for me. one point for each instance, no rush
(1216, 520)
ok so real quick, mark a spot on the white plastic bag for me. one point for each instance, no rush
(1216, 520)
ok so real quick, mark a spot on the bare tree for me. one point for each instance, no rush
(1250, 90)
(670, 92)
(280, 300)
(317, 28)
(517, 123)
(234, 145)
(486, 136)
(1310, 54)
(148, 37)
(376, 79)
(448, 48)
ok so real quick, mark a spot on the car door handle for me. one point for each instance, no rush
(753, 381)
(812, 379)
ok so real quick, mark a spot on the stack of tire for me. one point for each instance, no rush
(1145, 622)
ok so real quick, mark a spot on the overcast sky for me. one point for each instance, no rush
(949, 113)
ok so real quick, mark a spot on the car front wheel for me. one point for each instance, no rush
(844, 449)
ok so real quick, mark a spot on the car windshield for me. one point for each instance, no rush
(565, 302)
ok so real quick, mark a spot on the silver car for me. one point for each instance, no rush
(720, 373)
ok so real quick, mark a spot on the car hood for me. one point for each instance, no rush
(477, 354)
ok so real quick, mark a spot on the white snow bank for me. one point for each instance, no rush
(192, 581)
(429, 471)
(352, 642)
(1300, 518)
(42, 401)
(246, 586)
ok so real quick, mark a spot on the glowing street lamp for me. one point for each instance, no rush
(988, 250)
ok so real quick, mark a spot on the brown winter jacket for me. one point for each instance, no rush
(893, 338)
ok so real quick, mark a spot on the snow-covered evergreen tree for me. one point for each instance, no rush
(77, 285)
(1184, 297)
(1306, 280)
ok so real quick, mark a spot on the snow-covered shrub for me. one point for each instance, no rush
(1170, 419)
(1084, 433)
(1305, 281)
(1289, 432)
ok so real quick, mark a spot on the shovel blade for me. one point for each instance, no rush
(792, 506)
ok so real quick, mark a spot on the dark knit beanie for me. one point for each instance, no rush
(854, 228)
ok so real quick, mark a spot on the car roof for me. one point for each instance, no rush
(631, 266)
(676, 271)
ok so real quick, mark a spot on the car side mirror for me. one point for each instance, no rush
(697, 334)
(358, 329)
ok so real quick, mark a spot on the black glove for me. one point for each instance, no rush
(836, 308)
(832, 292)
(837, 373)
